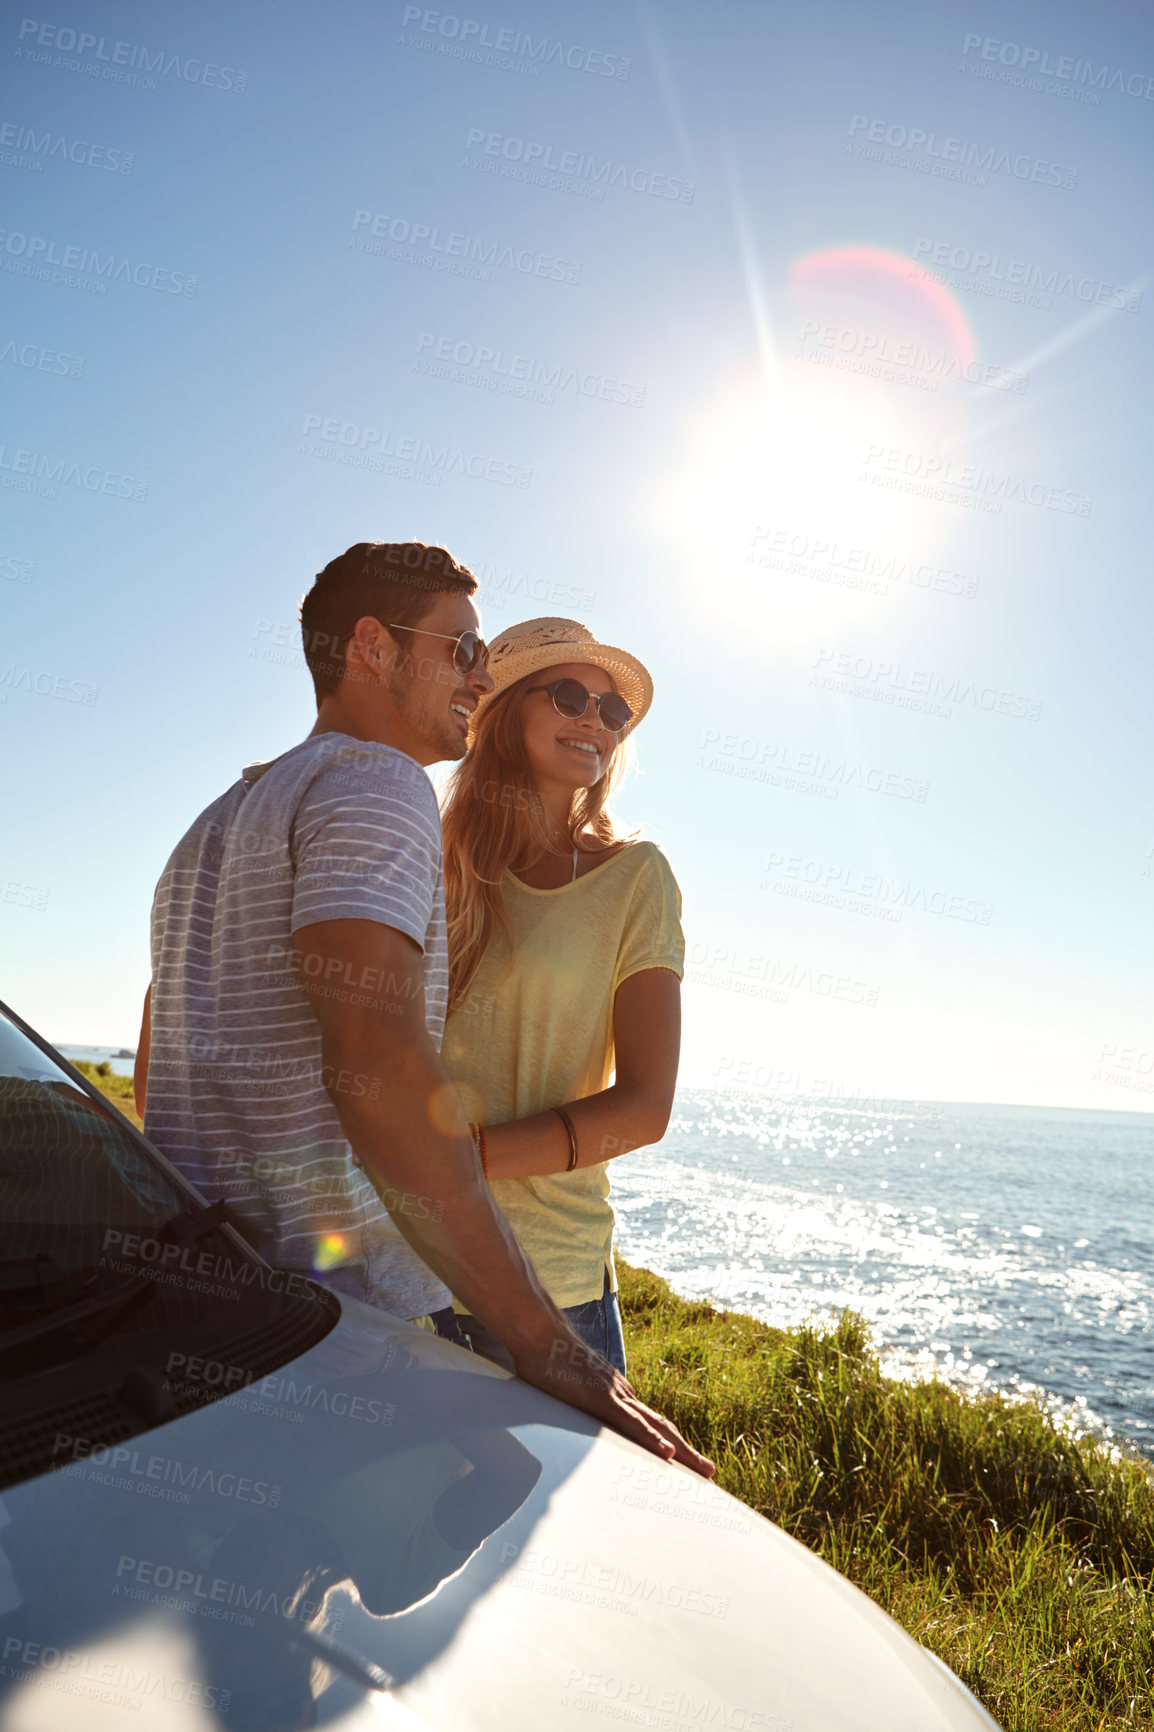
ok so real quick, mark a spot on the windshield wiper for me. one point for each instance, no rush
(40, 1276)
(188, 1228)
(87, 1320)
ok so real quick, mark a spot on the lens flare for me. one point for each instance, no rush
(899, 283)
(330, 1252)
(445, 1113)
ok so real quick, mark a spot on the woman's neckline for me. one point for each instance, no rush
(571, 884)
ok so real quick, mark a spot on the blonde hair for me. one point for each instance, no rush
(494, 821)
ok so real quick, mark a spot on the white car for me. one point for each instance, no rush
(229, 1499)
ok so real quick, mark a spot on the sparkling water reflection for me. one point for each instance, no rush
(1000, 1247)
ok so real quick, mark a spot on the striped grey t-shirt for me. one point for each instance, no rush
(335, 829)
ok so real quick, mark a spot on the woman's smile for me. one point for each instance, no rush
(588, 747)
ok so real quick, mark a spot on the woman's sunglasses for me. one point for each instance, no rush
(570, 699)
(470, 652)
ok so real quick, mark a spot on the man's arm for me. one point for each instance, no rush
(140, 1068)
(403, 1118)
(631, 1113)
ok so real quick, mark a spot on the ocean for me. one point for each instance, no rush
(97, 1055)
(1007, 1248)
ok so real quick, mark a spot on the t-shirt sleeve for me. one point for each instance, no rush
(366, 845)
(652, 937)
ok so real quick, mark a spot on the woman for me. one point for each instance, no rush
(566, 955)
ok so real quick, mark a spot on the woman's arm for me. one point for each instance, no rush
(628, 1115)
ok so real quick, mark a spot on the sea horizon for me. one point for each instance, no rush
(859, 1102)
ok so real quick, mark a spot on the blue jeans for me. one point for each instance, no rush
(445, 1324)
(597, 1323)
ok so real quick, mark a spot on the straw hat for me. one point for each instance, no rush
(544, 643)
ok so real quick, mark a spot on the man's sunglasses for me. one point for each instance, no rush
(470, 652)
(570, 699)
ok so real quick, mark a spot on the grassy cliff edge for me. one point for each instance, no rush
(118, 1089)
(1020, 1556)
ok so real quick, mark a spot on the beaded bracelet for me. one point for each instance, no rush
(477, 1132)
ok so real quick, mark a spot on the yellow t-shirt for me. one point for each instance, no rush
(541, 1033)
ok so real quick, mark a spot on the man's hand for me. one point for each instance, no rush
(574, 1373)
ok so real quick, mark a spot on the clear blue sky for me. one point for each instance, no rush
(757, 394)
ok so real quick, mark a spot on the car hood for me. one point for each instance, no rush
(390, 1532)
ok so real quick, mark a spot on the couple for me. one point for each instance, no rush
(393, 1062)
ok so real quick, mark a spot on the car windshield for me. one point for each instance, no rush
(69, 1167)
(115, 1277)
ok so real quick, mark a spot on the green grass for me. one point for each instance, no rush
(118, 1089)
(1024, 1559)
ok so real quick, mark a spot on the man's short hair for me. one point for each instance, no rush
(394, 582)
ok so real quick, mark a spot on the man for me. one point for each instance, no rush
(292, 1030)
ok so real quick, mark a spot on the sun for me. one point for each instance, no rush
(781, 492)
